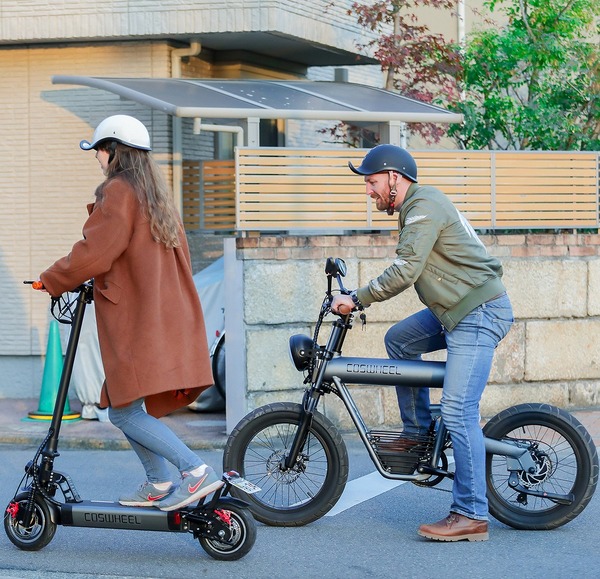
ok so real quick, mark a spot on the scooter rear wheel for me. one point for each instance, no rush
(41, 530)
(241, 539)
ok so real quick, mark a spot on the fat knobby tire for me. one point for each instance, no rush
(581, 450)
(285, 417)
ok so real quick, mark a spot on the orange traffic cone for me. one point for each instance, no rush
(52, 372)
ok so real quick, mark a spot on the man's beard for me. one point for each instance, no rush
(381, 204)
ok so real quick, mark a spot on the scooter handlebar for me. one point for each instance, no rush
(36, 285)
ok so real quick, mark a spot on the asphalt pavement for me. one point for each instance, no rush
(374, 537)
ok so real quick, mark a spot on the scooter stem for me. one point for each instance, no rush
(50, 450)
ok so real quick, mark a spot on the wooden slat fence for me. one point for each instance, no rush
(549, 190)
(281, 189)
(208, 190)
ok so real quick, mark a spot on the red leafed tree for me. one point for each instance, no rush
(418, 63)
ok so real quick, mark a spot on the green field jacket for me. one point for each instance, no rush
(441, 255)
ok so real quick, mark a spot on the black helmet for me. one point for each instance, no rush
(387, 158)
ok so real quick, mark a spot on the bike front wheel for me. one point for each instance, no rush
(294, 496)
(566, 464)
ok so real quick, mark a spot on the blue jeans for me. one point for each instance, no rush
(153, 442)
(470, 347)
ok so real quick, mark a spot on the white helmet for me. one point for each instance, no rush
(123, 129)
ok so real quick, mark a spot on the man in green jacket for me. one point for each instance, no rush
(468, 313)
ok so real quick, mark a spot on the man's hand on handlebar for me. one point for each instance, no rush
(342, 304)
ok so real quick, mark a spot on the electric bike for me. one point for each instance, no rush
(541, 463)
(223, 524)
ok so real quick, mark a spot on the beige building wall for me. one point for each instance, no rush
(472, 12)
(46, 180)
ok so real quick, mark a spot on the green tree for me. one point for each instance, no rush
(534, 83)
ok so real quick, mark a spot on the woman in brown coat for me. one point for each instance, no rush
(150, 322)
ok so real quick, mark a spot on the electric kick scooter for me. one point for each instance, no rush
(223, 525)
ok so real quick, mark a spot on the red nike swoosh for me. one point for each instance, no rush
(193, 489)
(156, 497)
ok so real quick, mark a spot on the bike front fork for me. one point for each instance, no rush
(309, 406)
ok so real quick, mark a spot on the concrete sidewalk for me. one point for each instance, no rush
(197, 429)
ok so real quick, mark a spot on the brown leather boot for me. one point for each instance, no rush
(456, 527)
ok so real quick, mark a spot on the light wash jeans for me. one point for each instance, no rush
(470, 347)
(153, 442)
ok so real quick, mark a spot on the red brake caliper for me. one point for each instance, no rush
(13, 509)
(224, 516)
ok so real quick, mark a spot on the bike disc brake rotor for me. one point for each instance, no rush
(275, 470)
(544, 472)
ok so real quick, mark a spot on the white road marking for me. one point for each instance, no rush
(365, 488)
(362, 489)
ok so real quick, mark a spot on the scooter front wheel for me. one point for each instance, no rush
(257, 448)
(241, 537)
(566, 464)
(38, 533)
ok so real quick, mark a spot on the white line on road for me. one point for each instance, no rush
(365, 488)
(362, 489)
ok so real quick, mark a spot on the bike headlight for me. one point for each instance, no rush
(301, 351)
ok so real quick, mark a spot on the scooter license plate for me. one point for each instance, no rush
(234, 479)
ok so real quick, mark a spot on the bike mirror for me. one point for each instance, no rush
(335, 267)
(330, 268)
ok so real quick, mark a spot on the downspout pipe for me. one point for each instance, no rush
(177, 54)
(237, 131)
(461, 33)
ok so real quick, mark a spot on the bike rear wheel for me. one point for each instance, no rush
(289, 497)
(567, 463)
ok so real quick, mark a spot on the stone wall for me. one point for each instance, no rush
(552, 353)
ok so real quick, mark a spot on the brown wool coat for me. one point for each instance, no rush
(150, 323)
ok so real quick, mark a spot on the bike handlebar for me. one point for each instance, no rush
(336, 268)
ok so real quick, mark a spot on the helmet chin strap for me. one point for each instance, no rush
(393, 193)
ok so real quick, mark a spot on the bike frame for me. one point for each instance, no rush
(333, 369)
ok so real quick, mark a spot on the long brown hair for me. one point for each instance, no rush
(142, 172)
